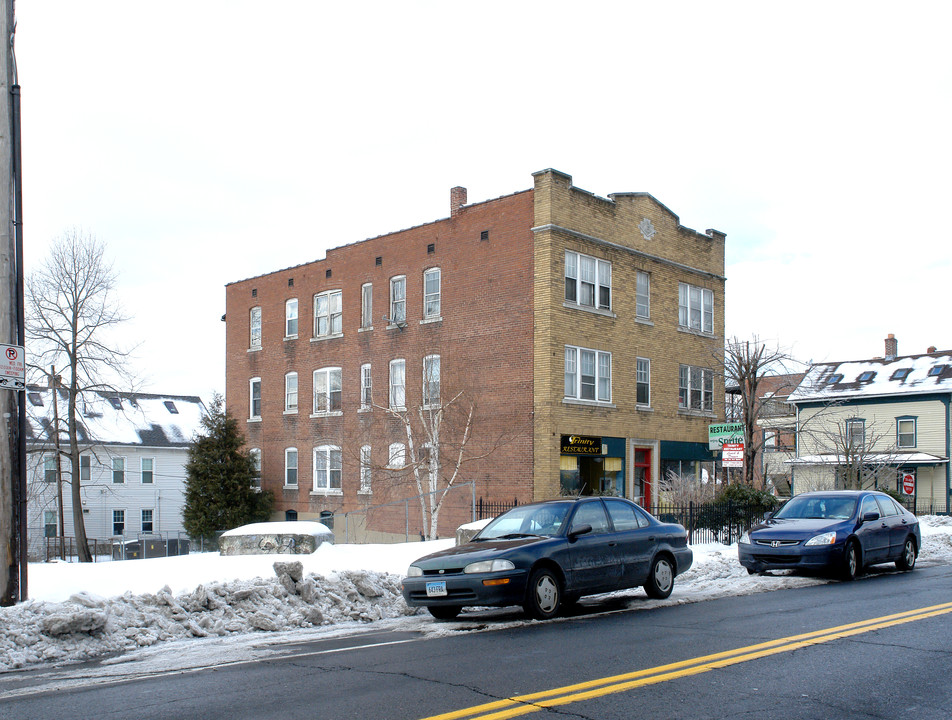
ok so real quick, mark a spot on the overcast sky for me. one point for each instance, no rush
(207, 141)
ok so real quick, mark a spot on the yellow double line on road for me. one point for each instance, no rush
(533, 702)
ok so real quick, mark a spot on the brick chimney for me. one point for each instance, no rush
(457, 200)
(931, 349)
(892, 347)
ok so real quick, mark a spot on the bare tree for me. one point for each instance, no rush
(746, 364)
(862, 454)
(71, 315)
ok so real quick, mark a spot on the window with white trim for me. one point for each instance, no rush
(254, 396)
(696, 308)
(643, 380)
(290, 467)
(147, 524)
(328, 314)
(431, 380)
(118, 470)
(291, 318)
(327, 390)
(431, 293)
(366, 305)
(291, 392)
(906, 432)
(254, 341)
(398, 299)
(366, 388)
(643, 295)
(365, 470)
(398, 384)
(397, 456)
(255, 455)
(696, 388)
(85, 469)
(327, 468)
(118, 522)
(588, 374)
(588, 281)
(856, 433)
(49, 469)
(147, 470)
(50, 523)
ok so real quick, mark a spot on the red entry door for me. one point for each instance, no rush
(642, 485)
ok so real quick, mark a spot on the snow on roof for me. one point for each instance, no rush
(110, 418)
(878, 377)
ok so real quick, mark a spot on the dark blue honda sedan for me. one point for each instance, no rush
(842, 531)
(545, 554)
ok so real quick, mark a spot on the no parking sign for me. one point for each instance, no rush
(12, 367)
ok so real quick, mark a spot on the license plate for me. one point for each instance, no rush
(436, 589)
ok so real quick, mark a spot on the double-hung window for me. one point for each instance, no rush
(147, 524)
(696, 388)
(696, 308)
(118, 522)
(254, 341)
(643, 295)
(147, 470)
(398, 299)
(291, 392)
(327, 468)
(431, 380)
(365, 470)
(431, 294)
(255, 455)
(366, 305)
(118, 471)
(906, 432)
(290, 467)
(50, 521)
(328, 314)
(855, 434)
(398, 384)
(397, 456)
(254, 395)
(327, 390)
(366, 396)
(643, 379)
(588, 374)
(588, 281)
(49, 469)
(291, 318)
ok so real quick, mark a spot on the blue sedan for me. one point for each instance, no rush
(842, 531)
(546, 554)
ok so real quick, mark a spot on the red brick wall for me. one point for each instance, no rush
(484, 340)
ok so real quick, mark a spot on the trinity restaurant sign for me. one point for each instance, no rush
(581, 445)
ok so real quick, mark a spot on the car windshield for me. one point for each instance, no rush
(527, 521)
(827, 507)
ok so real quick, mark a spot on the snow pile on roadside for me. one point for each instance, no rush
(234, 596)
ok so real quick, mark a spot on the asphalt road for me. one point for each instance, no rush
(880, 647)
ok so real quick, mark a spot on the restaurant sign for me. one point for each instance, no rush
(581, 445)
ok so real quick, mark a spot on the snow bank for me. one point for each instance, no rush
(84, 611)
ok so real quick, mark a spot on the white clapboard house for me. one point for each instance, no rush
(132, 467)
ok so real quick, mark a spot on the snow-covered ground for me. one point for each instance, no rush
(127, 610)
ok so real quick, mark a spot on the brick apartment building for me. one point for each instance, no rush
(569, 338)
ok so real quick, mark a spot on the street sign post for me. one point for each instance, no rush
(908, 483)
(732, 455)
(718, 435)
(12, 367)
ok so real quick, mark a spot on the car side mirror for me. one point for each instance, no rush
(580, 530)
(870, 517)
(768, 516)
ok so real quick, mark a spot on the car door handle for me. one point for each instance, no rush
(885, 525)
(611, 544)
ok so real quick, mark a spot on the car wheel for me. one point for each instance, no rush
(660, 578)
(543, 594)
(851, 561)
(444, 612)
(907, 561)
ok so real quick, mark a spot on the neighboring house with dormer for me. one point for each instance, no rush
(132, 468)
(883, 422)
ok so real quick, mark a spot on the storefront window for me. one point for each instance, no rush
(592, 475)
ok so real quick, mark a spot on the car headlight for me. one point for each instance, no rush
(744, 539)
(484, 566)
(414, 571)
(827, 538)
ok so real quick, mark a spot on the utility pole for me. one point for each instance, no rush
(54, 383)
(11, 575)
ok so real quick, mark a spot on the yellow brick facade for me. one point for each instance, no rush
(567, 218)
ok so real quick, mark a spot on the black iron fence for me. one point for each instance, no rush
(713, 522)
(486, 509)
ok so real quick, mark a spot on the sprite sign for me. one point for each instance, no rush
(725, 433)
